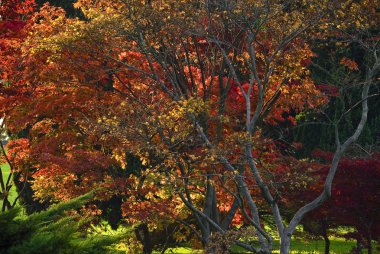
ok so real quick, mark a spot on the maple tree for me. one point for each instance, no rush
(14, 16)
(359, 207)
(354, 198)
(188, 88)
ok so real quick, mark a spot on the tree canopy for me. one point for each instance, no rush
(184, 111)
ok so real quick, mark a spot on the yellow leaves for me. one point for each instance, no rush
(355, 15)
(192, 106)
(180, 236)
(109, 121)
(178, 120)
(240, 138)
(144, 161)
(50, 36)
(119, 155)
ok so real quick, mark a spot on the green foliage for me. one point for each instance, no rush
(52, 231)
(316, 130)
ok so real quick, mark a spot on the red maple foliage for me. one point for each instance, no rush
(354, 199)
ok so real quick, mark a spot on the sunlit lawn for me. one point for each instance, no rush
(180, 250)
(337, 246)
(13, 193)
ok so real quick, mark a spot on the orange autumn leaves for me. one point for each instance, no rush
(131, 79)
(350, 64)
(67, 64)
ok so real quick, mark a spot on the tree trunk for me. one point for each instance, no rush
(359, 246)
(205, 237)
(327, 244)
(369, 246)
(142, 235)
(369, 239)
(325, 236)
(285, 245)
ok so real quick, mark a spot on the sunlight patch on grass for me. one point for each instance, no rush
(13, 193)
(337, 246)
(181, 250)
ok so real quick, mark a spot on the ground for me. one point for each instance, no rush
(337, 246)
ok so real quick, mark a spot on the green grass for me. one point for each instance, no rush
(337, 246)
(180, 250)
(13, 194)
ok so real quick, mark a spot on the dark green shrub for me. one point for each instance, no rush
(52, 231)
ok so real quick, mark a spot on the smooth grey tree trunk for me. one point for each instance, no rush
(285, 245)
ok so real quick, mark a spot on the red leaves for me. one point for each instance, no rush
(329, 90)
(13, 18)
(350, 64)
(306, 62)
(16, 9)
(355, 194)
(19, 153)
(320, 154)
(87, 93)
(10, 27)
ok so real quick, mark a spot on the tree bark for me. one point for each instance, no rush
(369, 246)
(285, 244)
(325, 236)
(369, 239)
(359, 246)
(142, 235)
